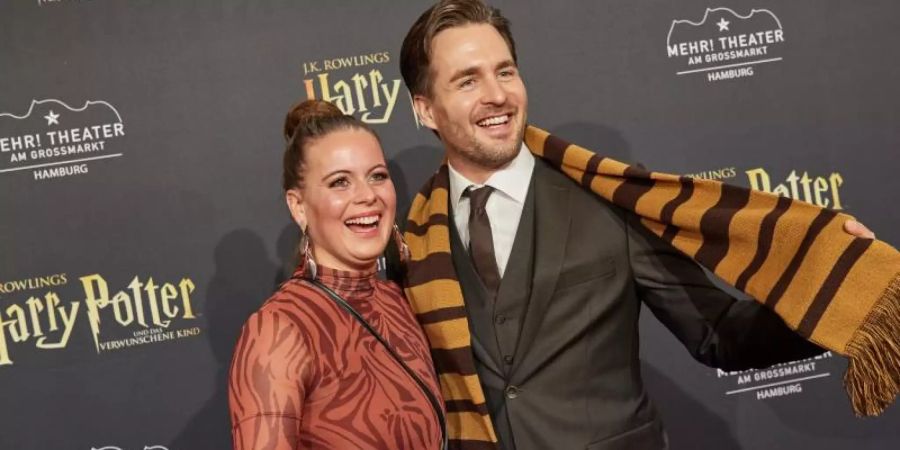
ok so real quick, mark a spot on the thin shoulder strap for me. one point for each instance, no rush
(435, 403)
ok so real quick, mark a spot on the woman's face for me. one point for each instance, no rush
(348, 202)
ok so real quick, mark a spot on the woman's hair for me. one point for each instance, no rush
(306, 122)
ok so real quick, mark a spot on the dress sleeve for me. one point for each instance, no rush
(267, 383)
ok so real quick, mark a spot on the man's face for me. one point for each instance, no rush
(478, 101)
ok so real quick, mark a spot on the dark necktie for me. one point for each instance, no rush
(481, 241)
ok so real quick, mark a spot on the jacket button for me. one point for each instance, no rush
(499, 319)
(508, 359)
(512, 391)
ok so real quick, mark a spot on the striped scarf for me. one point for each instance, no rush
(841, 292)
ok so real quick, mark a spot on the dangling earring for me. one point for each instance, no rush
(309, 264)
(402, 248)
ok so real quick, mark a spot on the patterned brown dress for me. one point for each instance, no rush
(306, 375)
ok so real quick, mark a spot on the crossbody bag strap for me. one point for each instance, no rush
(435, 403)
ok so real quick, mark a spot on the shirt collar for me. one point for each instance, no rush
(511, 180)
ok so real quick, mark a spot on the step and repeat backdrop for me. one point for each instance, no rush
(141, 218)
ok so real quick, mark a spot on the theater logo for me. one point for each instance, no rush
(90, 313)
(779, 380)
(725, 45)
(53, 140)
(360, 85)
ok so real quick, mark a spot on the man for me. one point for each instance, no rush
(551, 275)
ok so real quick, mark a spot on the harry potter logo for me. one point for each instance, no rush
(364, 92)
(47, 322)
(820, 191)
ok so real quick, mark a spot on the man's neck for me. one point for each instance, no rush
(473, 172)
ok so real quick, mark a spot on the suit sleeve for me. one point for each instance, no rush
(267, 383)
(717, 329)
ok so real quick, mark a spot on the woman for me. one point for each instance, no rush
(305, 373)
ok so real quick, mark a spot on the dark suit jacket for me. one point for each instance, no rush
(575, 382)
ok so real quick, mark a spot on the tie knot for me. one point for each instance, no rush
(478, 197)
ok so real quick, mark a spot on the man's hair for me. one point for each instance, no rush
(415, 54)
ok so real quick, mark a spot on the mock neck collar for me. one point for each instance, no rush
(347, 283)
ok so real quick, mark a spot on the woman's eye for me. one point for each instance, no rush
(380, 176)
(340, 182)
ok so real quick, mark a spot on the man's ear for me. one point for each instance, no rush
(424, 111)
(294, 199)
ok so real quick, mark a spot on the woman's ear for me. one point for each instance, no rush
(294, 199)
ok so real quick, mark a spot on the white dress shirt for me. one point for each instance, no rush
(504, 206)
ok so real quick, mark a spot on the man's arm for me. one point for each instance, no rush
(717, 329)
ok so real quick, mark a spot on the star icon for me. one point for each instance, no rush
(52, 118)
(723, 25)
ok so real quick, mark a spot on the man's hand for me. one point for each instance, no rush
(859, 230)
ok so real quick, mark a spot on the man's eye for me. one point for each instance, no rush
(467, 83)
(340, 182)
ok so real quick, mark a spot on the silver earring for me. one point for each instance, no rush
(402, 247)
(309, 264)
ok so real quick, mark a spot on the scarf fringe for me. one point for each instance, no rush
(873, 375)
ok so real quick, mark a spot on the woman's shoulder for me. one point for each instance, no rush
(301, 304)
(286, 303)
(291, 295)
(274, 337)
(280, 320)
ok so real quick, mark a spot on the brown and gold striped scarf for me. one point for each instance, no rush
(841, 292)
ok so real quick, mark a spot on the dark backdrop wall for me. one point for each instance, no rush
(141, 218)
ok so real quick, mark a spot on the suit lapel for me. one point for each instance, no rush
(552, 219)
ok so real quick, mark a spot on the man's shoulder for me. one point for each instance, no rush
(548, 174)
(581, 197)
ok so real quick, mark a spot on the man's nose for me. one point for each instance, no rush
(494, 92)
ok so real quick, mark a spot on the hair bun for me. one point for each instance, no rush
(309, 111)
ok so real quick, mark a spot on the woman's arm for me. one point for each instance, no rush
(267, 383)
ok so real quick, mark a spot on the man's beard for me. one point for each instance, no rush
(495, 156)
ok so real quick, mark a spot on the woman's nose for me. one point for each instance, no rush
(365, 193)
